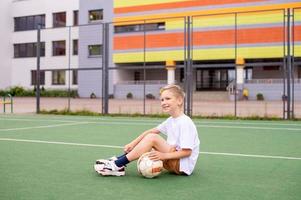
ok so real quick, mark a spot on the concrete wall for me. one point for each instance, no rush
(121, 91)
(6, 51)
(91, 81)
(21, 67)
(270, 91)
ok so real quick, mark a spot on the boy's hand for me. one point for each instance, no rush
(127, 148)
(156, 155)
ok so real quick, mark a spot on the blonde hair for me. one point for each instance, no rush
(175, 89)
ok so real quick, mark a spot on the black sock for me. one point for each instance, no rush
(121, 155)
(122, 161)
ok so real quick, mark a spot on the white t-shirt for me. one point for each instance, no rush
(182, 133)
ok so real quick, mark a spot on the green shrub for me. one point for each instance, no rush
(3, 92)
(129, 95)
(19, 91)
(92, 96)
(150, 96)
(260, 97)
(58, 93)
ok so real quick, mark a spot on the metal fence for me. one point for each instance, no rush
(120, 67)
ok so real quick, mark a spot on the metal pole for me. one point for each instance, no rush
(293, 64)
(235, 84)
(4, 105)
(188, 78)
(284, 67)
(69, 61)
(38, 69)
(105, 69)
(288, 65)
(185, 61)
(144, 65)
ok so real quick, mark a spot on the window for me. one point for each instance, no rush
(75, 47)
(95, 15)
(248, 73)
(137, 76)
(74, 77)
(140, 27)
(26, 50)
(75, 17)
(34, 77)
(95, 50)
(59, 48)
(58, 77)
(59, 19)
(29, 22)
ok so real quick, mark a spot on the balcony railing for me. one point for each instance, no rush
(147, 82)
(269, 81)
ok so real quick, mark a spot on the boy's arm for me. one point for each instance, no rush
(131, 145)
(156, 155)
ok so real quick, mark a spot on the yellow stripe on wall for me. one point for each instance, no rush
(128, 3)
(227, 20)
(297, 16)
(204, 54)
(208, 12)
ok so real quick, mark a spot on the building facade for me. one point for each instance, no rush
(150, 43)
(226, 39)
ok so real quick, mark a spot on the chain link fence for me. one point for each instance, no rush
(232, 64)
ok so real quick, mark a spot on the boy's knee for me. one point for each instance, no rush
(152, 137)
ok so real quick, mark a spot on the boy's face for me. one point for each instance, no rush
(170, 103)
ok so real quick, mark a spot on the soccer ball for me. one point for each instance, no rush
(149, 168)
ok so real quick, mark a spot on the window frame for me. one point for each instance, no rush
(159, 26)
(75, 17)
(74, 77)
(21, 50)
(95, 55)
(57, 77)
(56, 48)
(95, 20)
(55, 21)
(33, 77)
(75, 47)
(24, 24)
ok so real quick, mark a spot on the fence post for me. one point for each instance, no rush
(105, 69)
(289, 111)
(188, 68)
(38, 69)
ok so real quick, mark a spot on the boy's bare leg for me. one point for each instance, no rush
(146, 144)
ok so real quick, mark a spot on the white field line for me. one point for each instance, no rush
(151, 121)
(250, 127)
(37, 120)
(41, 127)
(103, 122)
(120, 147)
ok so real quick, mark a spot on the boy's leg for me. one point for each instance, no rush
(149, 142)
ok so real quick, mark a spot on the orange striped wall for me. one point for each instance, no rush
(264, 28)
(218, 37)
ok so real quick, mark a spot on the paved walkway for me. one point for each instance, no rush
(204, 108)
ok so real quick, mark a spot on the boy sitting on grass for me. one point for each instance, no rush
(179, 152)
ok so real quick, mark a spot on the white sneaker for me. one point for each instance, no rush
(98, 167)
(111, 169)
(103, 161)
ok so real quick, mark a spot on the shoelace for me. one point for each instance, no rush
(108, 166)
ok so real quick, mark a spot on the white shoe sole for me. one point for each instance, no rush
(111, 173)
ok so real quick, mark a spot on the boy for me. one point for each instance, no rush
(179, 152)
